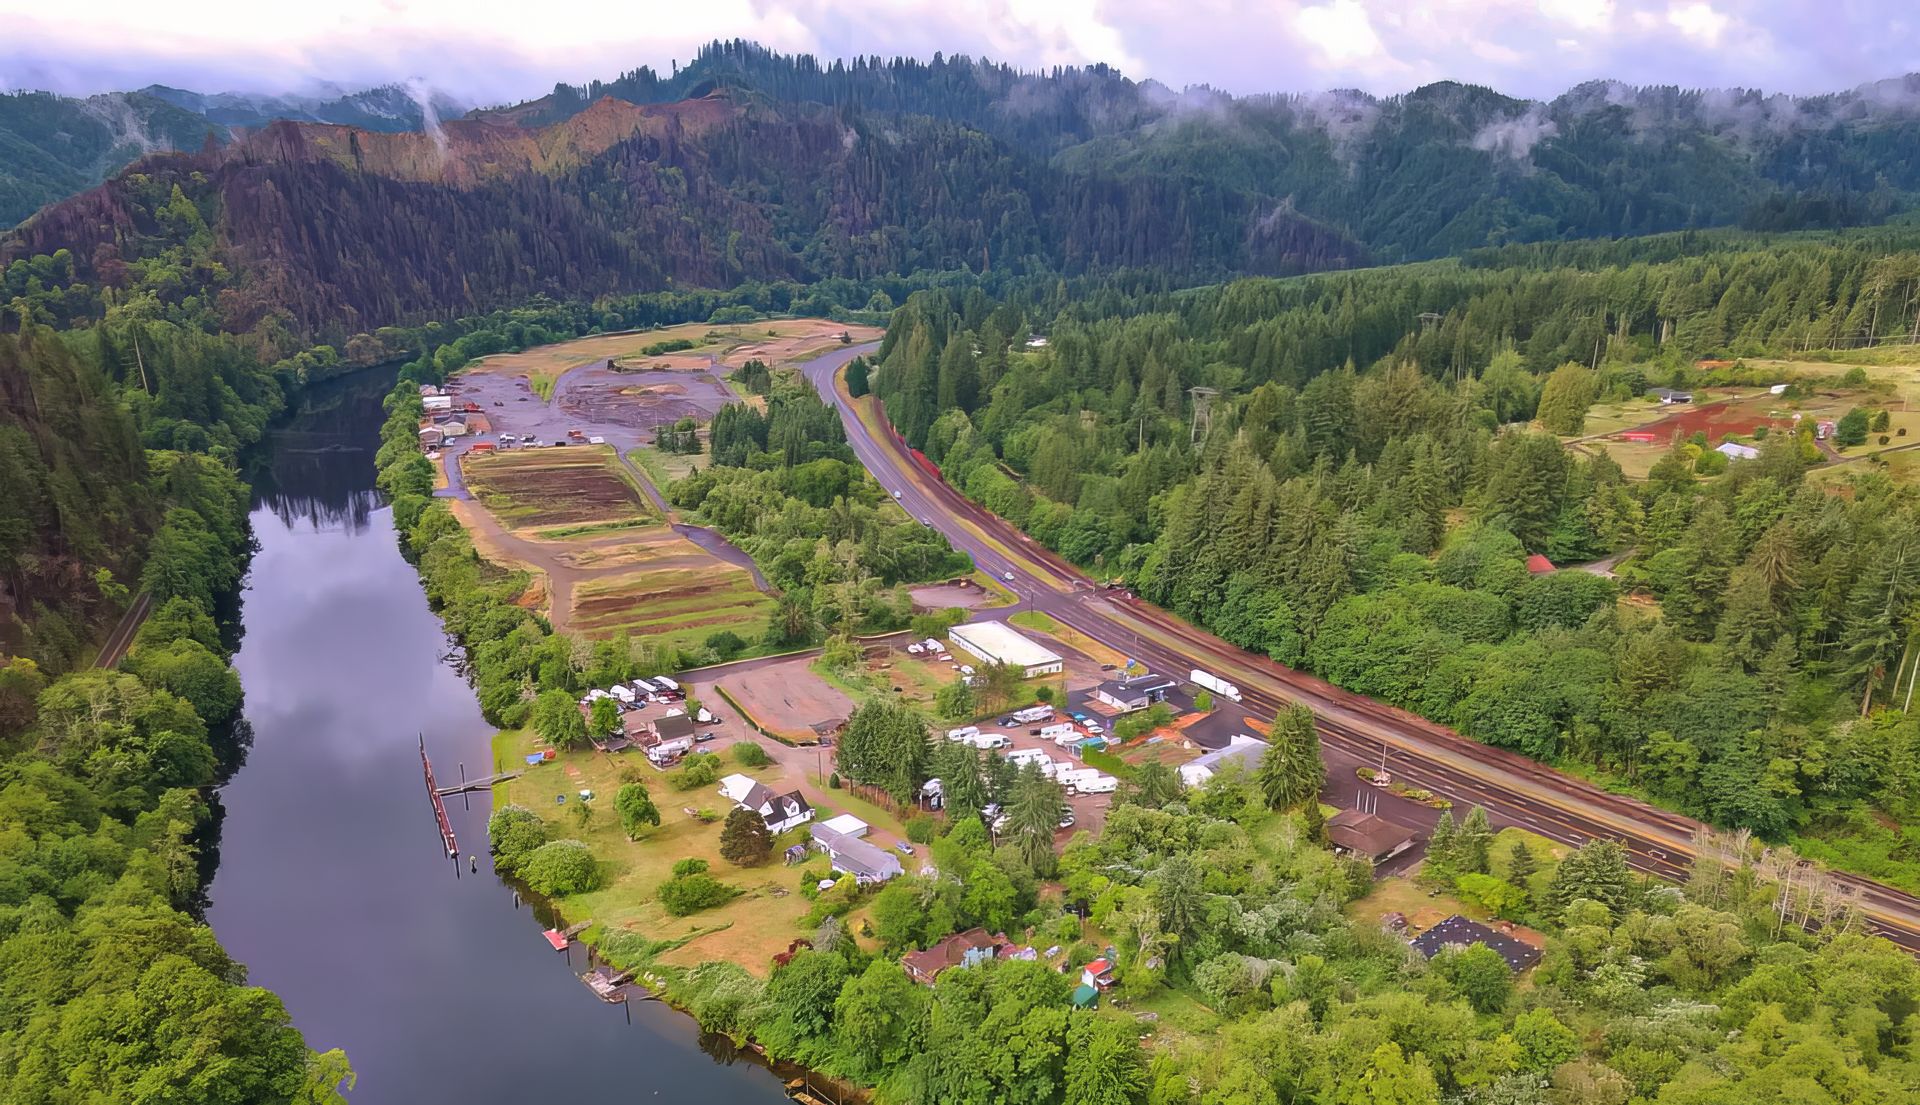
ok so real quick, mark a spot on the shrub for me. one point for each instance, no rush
(750, 754)
(697, 770)
(726, 644)
(689, 866)
(561, 867)
(693, 893)
(833, 781)
(922, 830)
(513, 833)
(707, 815)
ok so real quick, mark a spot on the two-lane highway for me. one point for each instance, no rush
(1513, 789)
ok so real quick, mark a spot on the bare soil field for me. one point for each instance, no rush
(965, 595)
(788, 698)
(528, 489)
(775, 341)
(682, 605)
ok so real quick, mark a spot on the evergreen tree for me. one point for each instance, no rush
(1033, 816)
(1522, 865)
(857, 377)
(1442, 861)
(1291, 770)
(1597, 870)
(1473, 844)
(744, 838)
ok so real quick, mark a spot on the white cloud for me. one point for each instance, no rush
(1340, 30)
(1699, 21)
(496, 50)
(1587, 15)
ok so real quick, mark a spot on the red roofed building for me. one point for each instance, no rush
(963, 949)
(1538, 565)
(1098, 974)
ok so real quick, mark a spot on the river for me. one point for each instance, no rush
(331, 883)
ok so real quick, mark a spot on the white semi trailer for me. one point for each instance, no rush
(1215, 684)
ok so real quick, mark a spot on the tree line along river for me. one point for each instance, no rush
(331, 884)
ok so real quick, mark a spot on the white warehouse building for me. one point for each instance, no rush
(1000, 643)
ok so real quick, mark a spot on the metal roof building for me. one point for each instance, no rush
(1000, 643)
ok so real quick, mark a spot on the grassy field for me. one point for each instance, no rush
(664, 468)
(1072, 638)
(680, 605)
(567, 488)
(751, 928)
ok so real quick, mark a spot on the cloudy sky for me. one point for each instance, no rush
(495, 51)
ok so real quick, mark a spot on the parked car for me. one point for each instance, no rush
(904, 848)
(704, 738)
(1066, 820)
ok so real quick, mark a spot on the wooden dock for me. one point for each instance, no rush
(561, 938)
(483, 783)
(439, 807)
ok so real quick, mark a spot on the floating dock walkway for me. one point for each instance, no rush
(439, 807)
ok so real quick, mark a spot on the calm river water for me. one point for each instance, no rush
(332, 886)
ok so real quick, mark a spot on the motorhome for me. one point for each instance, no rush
(963, 733)
(1032, 714)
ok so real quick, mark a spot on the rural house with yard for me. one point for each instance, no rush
(780, 811)
(867, 863)
(962, 949)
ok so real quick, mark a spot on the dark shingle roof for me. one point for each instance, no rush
(1459, 930)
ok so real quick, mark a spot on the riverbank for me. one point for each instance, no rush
(332, 886)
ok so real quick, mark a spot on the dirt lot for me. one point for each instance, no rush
(788, 698)
(965, 595)
(725, 347)
(554, 487)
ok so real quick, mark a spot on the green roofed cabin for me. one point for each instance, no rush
(1086, 997)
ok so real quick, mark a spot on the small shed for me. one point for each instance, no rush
(1086, 997)
(847, 824)
(1733, 450)
(1539, 565)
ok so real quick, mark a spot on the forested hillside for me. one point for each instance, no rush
(113, 991)
(748, 165)
(1369, 489)
(52, 147)
(1443, 168)
(337, 232)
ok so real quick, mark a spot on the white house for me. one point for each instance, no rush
(434, 404)
(780, 811)
(1243, 750)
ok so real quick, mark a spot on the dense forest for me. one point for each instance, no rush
(1443, 168)
(114, 990)
(753, 166)
(1363, 493)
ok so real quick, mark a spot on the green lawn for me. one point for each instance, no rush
(750, 929)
